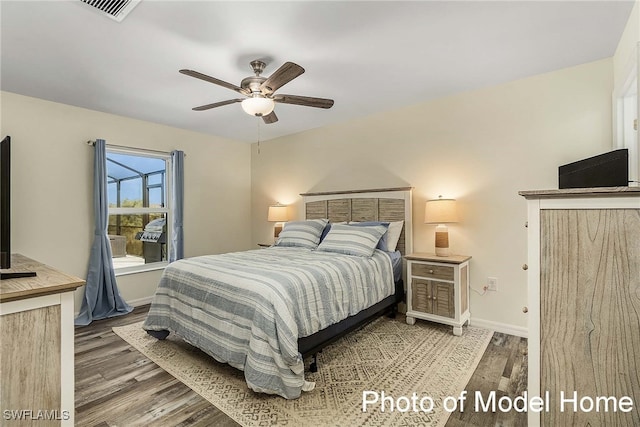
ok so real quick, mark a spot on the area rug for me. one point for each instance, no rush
(388, 360)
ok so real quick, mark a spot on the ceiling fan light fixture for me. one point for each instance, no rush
(260, 101)
(258, 106)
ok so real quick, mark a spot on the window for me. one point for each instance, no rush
(138, 189)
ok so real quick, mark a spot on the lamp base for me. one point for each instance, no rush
(442, 241)
(276, 231)
(443, 252)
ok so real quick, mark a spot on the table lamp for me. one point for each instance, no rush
(441, 211)
(277, 214)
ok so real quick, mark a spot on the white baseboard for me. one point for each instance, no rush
(140, 301)
(134, 303)
(518, 331)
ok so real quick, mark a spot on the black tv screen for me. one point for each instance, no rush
(5, 200)
(605, 170)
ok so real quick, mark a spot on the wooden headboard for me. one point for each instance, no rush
(385, 204)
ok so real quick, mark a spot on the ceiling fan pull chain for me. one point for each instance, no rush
(258, 121)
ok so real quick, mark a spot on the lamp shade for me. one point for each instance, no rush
(277, 213)
(440, 211)
(258, 106)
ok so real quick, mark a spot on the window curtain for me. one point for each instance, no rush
(177, 203)
(101, 296)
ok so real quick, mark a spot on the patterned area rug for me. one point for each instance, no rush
(387, 356)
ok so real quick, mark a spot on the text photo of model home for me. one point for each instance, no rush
(291, 112)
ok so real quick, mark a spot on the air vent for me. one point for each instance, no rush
(114, 9)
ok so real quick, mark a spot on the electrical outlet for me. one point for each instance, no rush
(492, 284)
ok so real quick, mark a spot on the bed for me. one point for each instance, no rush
(264, 311)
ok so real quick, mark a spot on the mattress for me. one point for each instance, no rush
(396, 262)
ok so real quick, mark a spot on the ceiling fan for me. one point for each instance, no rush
(259, 91)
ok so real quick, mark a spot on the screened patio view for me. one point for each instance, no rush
(137, 194)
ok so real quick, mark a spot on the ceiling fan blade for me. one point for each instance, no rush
(307, 101)
(270, 118)
(216, 104)
(215, 81)
(283, 75)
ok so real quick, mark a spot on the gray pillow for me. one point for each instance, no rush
(304, 234)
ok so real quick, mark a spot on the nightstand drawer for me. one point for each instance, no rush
(441, 272)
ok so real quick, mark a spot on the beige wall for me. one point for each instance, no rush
(52, 184)
(625, 57)
(480, 147)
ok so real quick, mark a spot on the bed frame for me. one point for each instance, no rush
(387, 204)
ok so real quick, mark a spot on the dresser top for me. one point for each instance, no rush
(582, 192)
(47, 281)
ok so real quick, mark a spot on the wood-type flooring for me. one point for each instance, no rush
(117, 386)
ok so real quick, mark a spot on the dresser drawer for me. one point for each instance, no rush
(430, 271)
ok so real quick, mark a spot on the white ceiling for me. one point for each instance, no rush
(367, 56)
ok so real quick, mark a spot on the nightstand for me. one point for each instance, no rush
(438, 289)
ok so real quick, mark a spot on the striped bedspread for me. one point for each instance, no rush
(248, 309)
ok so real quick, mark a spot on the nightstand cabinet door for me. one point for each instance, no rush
(421, 295)
(442, 299)
(433, 297)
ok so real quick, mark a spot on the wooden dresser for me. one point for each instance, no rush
(37, 346)
(584, 305)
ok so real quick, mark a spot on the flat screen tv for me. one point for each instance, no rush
(5, 213)
(605, 170)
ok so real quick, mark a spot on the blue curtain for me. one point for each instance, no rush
(101, 296)
(177, 203)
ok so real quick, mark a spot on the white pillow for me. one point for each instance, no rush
(349, 240)
(393, 235)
